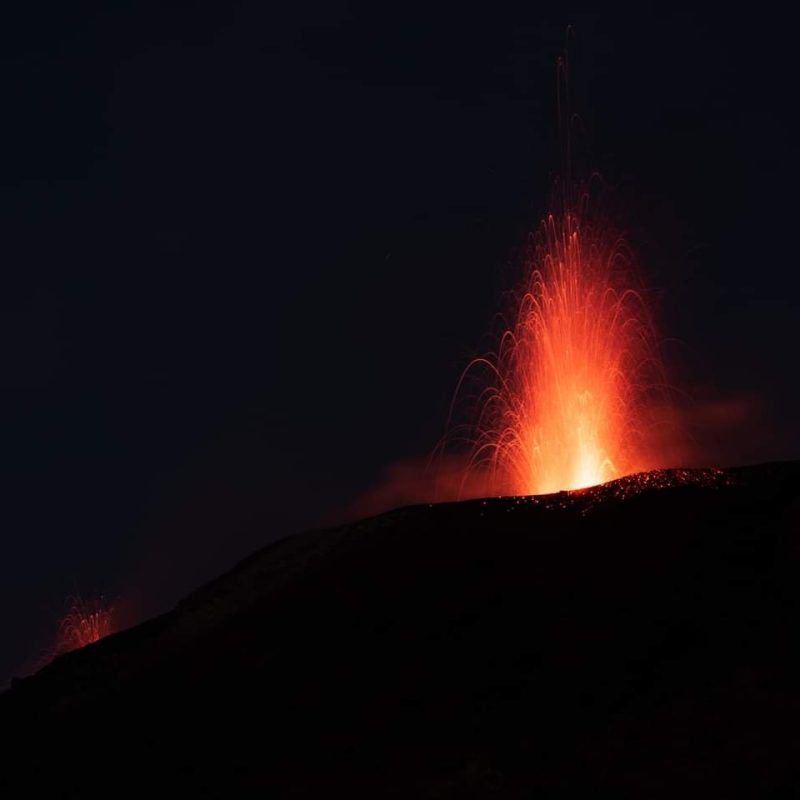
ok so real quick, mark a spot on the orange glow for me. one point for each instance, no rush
(575, 381)
(84, 623)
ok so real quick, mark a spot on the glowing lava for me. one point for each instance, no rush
(575, 384)
(84, 624)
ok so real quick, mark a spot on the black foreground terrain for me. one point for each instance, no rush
(625, 641)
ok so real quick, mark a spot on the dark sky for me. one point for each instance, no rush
(246, 252)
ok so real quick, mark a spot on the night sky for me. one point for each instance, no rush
(247, 251)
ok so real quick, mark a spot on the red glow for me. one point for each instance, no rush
(84, 623)
(575, 384)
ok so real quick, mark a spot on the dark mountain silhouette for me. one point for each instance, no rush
(639, 640)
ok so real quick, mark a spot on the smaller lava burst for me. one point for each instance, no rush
(84, 623)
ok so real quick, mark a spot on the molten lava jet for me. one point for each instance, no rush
(574, 393)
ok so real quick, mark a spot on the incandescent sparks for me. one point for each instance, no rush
(573, 394)
(84, 623)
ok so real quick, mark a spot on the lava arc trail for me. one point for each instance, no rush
(574, 394)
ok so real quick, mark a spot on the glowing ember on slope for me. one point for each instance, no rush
(632, 485)
(586, 500)
(574, 394)
(84, 624)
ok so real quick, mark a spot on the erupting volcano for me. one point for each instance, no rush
(574, 393)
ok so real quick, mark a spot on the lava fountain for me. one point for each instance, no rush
(84, 623)
(573, 394)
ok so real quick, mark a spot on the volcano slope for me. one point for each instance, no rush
(640, 639)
